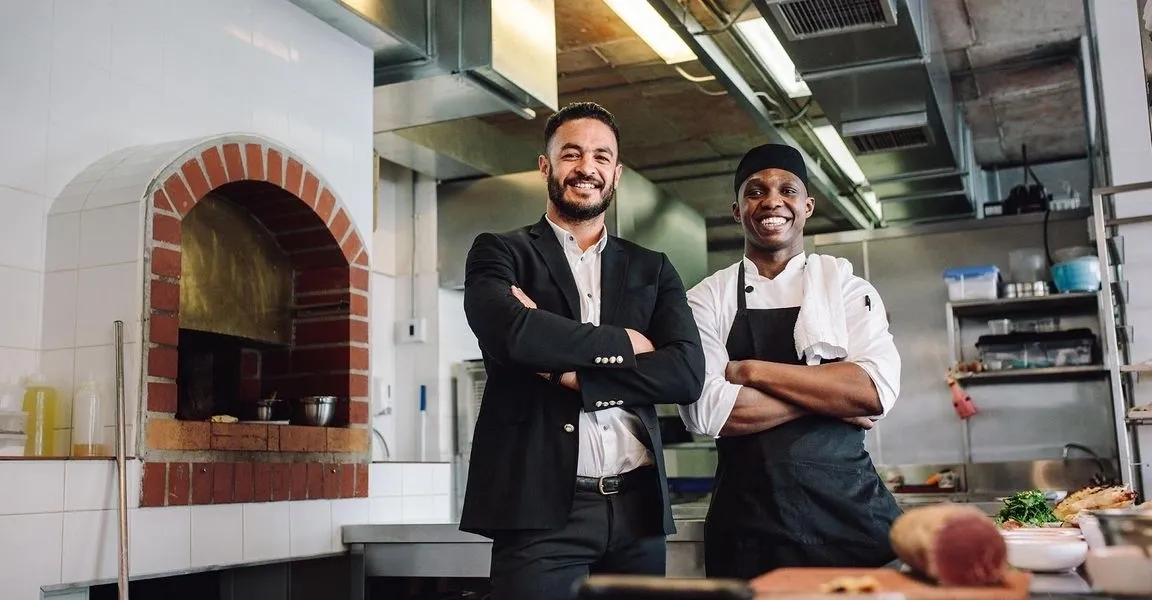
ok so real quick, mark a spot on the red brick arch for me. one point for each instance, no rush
(331, 268)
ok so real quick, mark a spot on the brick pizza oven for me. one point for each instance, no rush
(256, 285)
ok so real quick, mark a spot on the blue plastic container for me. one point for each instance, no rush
(1077, 275)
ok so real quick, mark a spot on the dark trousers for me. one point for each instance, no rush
(619, 534)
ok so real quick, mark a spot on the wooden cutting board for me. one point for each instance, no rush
(809, 580)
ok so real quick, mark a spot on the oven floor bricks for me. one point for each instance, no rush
(199, 462)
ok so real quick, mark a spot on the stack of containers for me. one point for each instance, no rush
(13, 419)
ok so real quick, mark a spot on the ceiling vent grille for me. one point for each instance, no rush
(802, 19)
(888, 134)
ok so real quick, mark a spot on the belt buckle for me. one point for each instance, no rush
(600, 486)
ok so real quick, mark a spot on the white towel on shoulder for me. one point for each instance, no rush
(821, 327)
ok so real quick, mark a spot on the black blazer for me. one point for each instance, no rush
(522, 473)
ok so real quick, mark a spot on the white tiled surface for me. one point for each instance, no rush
(82, 80)
(64, 514)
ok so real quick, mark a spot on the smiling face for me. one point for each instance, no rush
(773, 207)
(582, 169)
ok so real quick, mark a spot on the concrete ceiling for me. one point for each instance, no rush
(1013, 65)
(1015, 72)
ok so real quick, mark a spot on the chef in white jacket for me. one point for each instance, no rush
(799, 363)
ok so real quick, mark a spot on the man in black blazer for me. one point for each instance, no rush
(582, 333)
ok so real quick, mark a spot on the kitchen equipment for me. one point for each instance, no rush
(265, 408)
(1120, 570)
(1045, 553)
(1028, 264)
(808, 580)
(1074, 347)
(643, 587)
(973, 283)
(1126, 527)
(12, 444)
(1077, 275)
(40, 404)
(1025, 289)
(1040, 325)
(316, 411)
(88, 434)
(1071, 252)
(13, 422)
(1000, 326)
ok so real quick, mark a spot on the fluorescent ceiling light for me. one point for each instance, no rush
(766, 46)
(839, 153)
(873, 202)
(651, 27)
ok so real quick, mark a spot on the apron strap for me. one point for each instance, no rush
(741, 303)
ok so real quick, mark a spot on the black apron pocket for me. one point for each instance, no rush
(831, 504)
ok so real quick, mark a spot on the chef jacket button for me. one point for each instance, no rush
(569, 428)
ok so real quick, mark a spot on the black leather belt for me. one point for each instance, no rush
(615, 484)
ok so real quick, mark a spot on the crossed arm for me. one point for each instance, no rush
(666, 366)
(750, 396)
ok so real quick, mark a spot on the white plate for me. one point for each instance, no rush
(1045, 553)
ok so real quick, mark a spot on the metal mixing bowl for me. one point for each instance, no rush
(1126, 527)
(316, 411)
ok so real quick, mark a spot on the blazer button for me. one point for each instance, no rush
(569, 428)
(599, 404)
(619, 359)
(599, 359)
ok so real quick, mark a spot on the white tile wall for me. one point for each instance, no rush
(64, 513)
(80, 81)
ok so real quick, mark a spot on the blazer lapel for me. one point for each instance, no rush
(613, 271)
(545, 242)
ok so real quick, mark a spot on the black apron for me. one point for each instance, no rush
(803, 494)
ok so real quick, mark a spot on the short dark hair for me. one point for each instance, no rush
(579, 110)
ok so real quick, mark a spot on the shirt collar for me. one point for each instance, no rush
(794, 266)
(568, 241)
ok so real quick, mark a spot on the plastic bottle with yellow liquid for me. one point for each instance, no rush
(40, 404)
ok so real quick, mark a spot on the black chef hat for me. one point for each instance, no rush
(770, 156)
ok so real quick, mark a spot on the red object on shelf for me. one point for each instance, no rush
(961, 401)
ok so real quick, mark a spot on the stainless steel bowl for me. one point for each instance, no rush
(1126, 527)
(316, 411)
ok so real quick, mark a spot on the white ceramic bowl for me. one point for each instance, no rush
(1045, 553)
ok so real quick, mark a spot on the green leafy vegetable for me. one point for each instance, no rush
(1027, 508)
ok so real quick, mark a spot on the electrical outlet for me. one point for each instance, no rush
(412, 331)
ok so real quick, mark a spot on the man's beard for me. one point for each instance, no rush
(576, 212)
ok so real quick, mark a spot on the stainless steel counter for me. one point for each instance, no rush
(442, 550)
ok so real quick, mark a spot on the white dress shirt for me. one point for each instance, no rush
(713, 303)
(609, 438)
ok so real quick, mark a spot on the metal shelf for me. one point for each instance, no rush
(1082, 302)
(1038, 374)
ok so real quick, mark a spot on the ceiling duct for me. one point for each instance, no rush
(803, 19)
(887, 134)
(877, 69)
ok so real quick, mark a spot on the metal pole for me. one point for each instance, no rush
(121, 454)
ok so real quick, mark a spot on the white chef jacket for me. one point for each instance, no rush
(713, 303)
(609, 438)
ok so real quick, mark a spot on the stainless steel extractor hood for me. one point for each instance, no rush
(877, 69)
(440, 61)
(641, 213)
(489, 56)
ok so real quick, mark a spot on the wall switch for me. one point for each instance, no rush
(412, 331)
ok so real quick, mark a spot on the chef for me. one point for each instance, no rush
(799, 363)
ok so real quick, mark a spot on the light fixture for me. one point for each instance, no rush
(832, 142)
(873, 202)
(651, 27)
(766, 46)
